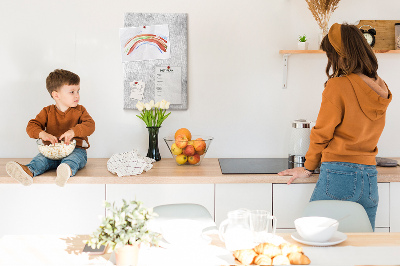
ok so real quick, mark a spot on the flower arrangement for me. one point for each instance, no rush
(153, 114)
(124, 226)
(322, 11)
(302, 38)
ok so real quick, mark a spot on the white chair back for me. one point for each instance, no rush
(356, 221)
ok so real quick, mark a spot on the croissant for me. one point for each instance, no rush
(298, 258)
(245, 256)
(280, 260)
(262, 260)
(287, 248)
(268, 249)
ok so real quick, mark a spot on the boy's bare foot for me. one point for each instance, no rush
(20, 172)
(63, 174)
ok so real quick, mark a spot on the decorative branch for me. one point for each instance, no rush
(322, 11)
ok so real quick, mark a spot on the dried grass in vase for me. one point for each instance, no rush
(322, 11)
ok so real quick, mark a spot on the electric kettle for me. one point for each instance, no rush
(299, 142)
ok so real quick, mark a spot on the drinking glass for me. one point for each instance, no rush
(259, 225)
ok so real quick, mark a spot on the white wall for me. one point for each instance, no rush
(235, 71)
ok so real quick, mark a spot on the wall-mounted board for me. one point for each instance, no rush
(154, 55)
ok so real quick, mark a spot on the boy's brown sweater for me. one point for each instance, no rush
(350, 121)
(56, 123)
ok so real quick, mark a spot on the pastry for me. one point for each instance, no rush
(298, 258)
(262, 260)
(268, 249)
(287, 248)
(280, 260)
(245, 256)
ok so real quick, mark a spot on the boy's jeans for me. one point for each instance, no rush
(76, 160)
(350, 182)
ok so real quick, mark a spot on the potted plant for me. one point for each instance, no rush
(123, 229)
(302, 44)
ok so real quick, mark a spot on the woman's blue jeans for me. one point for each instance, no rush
(76, 160)
(350, 182)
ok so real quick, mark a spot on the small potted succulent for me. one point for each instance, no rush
(123, 229)
(302, 44)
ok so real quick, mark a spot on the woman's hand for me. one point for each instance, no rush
(48, 137)
(295, 173)
(67, 136)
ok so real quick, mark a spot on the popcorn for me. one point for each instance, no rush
(56, 151)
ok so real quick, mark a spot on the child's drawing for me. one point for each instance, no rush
(145, 43)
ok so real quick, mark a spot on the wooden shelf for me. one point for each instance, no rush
(322, 52)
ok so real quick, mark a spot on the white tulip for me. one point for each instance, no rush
(151, 103)
(167, 105)
(157, 105)
(147, 106)
(162, 104)
(140, 106)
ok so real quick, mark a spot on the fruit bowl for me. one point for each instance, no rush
(55, 151)
(188, 152)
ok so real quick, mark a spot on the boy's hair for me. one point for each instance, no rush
(359, 57)
(59, 78)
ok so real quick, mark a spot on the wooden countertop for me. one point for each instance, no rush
(167, 171)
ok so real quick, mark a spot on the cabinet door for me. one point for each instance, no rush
(159, 194)
(394, 207)
(229, 197)
(290, 201)
(49, 209)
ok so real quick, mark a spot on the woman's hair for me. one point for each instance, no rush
(359, 57)
(59, 78)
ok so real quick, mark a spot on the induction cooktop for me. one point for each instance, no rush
(253, 165)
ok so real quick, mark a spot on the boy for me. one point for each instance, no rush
(63, 120)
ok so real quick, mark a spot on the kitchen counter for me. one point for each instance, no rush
(167, 171)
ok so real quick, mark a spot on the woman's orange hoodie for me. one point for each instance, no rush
(350, 121)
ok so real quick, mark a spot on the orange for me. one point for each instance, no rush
(184, 131)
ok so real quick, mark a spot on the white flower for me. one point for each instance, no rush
(147, 106)
(157, 105)
(140, 106)
(162, 104)
(151, 103)
(167, 105)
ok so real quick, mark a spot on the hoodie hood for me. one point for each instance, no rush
(371, 103)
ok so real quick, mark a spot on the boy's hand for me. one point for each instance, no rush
(295, 173)
(48, 137)
(67, 136)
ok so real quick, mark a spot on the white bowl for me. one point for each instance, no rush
(316, 229)
(181, 231)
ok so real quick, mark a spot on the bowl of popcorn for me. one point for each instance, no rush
(55, 151)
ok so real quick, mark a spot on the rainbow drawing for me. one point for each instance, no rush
(144, 39)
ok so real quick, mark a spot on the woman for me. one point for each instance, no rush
(350, 121)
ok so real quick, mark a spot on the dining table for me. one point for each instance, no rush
(357, 249)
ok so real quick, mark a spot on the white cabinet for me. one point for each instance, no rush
(230, 197)
(290, 201)
(159, 194)
(394, 207)
(49, 209)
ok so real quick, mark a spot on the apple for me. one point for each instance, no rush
(194, 159)
(181, 141)
(190, 142)
(201, 152)
(199, 144)
(189, 150)
(175, 150)
(181, 159)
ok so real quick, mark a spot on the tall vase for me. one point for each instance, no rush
(153, 151)
(127, 255)
(321, 35)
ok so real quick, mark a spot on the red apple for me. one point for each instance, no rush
(181, 141)
(199, 144)
(201, 152)
(194, 159)
(189, 150)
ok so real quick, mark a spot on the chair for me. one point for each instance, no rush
(186, 211)
(357, 221)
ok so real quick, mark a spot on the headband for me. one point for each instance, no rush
(335, 38)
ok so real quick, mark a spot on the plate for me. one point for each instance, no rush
(337, 238)
(201, 241)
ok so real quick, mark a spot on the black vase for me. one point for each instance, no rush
(153, 151)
